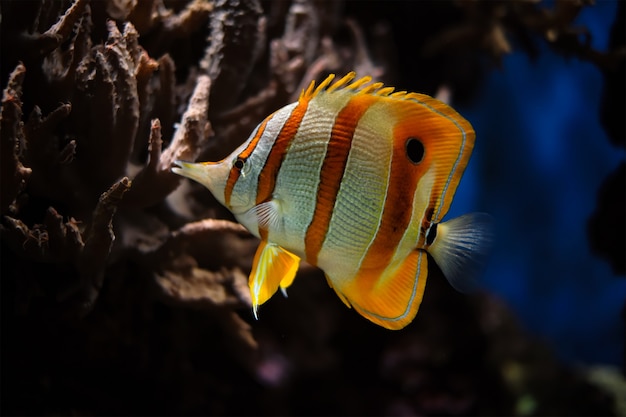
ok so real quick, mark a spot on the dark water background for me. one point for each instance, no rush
(541, 155)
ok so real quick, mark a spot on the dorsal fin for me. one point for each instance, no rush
(350, 85)
(360, 86)
(348, 82)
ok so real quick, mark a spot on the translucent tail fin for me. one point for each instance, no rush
(461, 248)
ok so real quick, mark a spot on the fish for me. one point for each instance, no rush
(355, 179)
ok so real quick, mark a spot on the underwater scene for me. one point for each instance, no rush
(350, 166)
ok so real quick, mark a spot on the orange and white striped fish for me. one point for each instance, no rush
(355, 179)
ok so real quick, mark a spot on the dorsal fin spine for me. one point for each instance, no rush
(324, 84)
(385, 91)
(309, 91)
(360, 82)
(342, 82)
(359, 86)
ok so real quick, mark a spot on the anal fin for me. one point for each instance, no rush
(272, 267)
(389, 297)
(339, 294)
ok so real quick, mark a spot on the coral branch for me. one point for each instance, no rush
(156, 180)
(194, 128)
(59, 32)
(30, 243)
(14, 174)
(66, 156)
(237, 36)
(99, 238)
(51, 242)
(189, 19)
(65, 240)
(41, 149)
(60, 64)
(165, 102)
(147, 177)
(114, 116)
(145, 91)
(122, 55)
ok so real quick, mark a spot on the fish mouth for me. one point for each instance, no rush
(191, 170)
(212, 175)
(178, 166)
(185, 169)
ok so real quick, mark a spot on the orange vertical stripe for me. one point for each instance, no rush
(269, 172)
(233, 176)
(331, 173)
(403, 179)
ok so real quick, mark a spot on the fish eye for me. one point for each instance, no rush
(239, 163)
(414, 150)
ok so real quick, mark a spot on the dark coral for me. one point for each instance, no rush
(117, 298)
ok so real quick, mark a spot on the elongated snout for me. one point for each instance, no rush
(212, 175)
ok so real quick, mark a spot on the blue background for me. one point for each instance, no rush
(540, 157)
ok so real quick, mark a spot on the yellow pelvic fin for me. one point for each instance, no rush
(391, 297)
(272, 267)
(288, 279)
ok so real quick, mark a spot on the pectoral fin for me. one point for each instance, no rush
(272, 267)
(391, 297)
